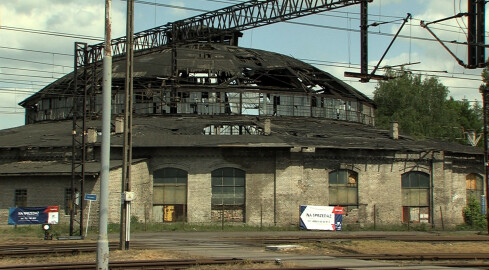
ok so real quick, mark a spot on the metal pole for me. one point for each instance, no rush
(483, 89)
(102, 242)
(88, 217)
(364, 38)
(127, 148)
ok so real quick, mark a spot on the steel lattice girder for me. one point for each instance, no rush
(243, 16)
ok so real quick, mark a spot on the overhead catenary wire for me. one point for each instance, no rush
(30, 75)
(50, 33)
(339, 12)
(33, 70)
(34, 62)
(202, 10)
(36, 51)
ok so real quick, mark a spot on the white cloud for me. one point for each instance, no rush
(33, 70)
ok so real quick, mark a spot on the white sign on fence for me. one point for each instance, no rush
(326, 218)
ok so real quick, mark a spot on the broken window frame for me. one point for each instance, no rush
(343, 181)
(226, 129)
(172, 181)
(416, 197)
(233, 202)
(474, 186)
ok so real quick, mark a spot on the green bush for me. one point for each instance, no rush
(473, 216)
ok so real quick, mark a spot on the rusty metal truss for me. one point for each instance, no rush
(220, 25)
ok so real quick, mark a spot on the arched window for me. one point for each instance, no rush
(228, 195)
(474, 186)
(169, 194)
(343, 189)
(416, 197)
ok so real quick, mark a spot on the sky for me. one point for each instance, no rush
(37, 41)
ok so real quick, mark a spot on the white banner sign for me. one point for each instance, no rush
(327, 218)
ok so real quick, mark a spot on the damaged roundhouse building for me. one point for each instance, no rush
(244, 132)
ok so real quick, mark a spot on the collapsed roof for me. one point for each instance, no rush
(211, 78)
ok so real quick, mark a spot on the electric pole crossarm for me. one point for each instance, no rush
(476, 34)
(459, 61)
(390, 44)
(364, 76)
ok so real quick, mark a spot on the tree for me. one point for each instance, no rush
(422, 108)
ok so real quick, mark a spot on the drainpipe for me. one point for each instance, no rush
(432, 187)
(275, 192)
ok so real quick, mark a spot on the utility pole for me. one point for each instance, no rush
(127, 148)
(364, 39)
(102, 242)
(483, 89)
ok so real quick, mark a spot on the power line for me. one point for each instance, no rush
(167, 5)
(34, 62)
(29, 81)
(4, 112)
(17, 91)
(50, 33)
(34, 76)
(36, 51)
(34, 70)
(202, 10)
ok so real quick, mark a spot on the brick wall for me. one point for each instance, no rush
(277, 183)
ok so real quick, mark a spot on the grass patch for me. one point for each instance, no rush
(207, 227)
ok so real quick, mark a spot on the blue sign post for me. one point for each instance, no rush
(89, 198)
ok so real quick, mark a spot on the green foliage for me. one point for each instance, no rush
(473, 216)
(422, 108)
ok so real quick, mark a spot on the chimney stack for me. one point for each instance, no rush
(268, 128)
(119, 125)
(91, 135)
(394, 132)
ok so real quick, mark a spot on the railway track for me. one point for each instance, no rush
(48, 248)
(242, 264)
(137, 264)
(401, 237)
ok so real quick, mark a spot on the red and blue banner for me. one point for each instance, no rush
(326, 218)
(33, 215)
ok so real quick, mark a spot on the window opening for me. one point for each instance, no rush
(232, 130)
(169, 195)
(228, 195)
(474, 187)
(343, 189)
(20, 199)
(416, 197)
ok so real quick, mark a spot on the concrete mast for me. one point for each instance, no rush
(102, 242)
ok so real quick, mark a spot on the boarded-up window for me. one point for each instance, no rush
(228, 194)
(343, 188)
(415, 196)
(474, 186)
(20, 199)
(169, 194)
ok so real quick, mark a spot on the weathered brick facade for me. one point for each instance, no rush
(279, 177)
